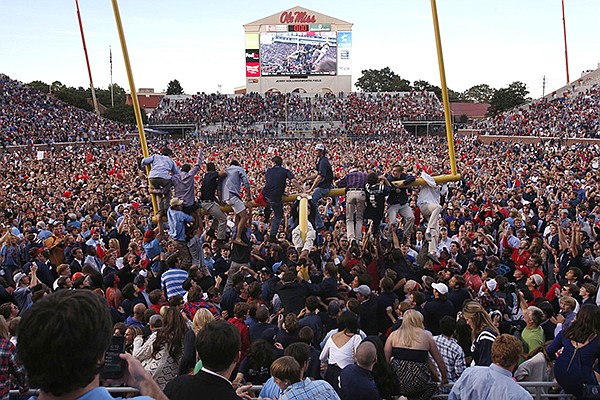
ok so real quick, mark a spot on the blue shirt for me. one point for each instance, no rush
(325, 171)
(270, 390)
(491, 383)
(232, 185)
(275, 182)
(184, 182)
(177, 220)
(101, 393)
(152, 248)
(309, 390)
(358, 383)
(162, 166)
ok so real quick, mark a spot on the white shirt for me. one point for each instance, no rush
(342, 356)
(427, 194)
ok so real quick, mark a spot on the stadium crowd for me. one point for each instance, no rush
(573, 115)
(381, 297)
(28, 116)
(358, 113)
(517, 253)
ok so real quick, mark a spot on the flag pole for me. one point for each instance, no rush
(565, 36)
(134, 98)
(87, 60)
(112, 93)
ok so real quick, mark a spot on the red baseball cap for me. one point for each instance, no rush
(524, 270)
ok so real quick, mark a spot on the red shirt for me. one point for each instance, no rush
(244, 333)
(473, 281)
(520, 258)
(536, 293)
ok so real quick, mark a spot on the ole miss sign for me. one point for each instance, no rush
(296, 17)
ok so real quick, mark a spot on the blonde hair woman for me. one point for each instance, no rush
(202, 317)
(189, 361)
(483, 332)
(408, 349)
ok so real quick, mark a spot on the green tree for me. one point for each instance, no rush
(75, 97)
(381, 80)
(123, 113)
(57, 86)
(424, 85)
(103, 95)
(507, 98)
(519, 89)
(454, 96)
(482, 93)
(39, 85)
(174, 87)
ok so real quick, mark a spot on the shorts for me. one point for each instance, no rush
(237, 204)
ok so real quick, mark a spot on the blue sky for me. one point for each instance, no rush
(201, 43)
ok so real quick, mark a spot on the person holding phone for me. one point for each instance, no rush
(68, 323)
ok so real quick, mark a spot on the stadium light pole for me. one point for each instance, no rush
(447, 117)
(134, 99)
(87, 60)
(565, 37)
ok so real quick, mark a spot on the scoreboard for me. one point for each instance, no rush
(299, 28)
(298, 50)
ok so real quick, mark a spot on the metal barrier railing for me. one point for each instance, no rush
(537, 396)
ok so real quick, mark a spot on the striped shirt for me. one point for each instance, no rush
(172, 281)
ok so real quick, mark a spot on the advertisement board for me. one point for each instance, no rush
(344, 53)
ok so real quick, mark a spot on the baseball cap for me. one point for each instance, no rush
(537, 279)
(176, 201)
(320, 146)
(18, 276)
(491, 284)
(440, 287)
(154, 320)
(266, 270)
(363, 289)
(523, 269)
(77, 275)
(411, 285)
(139, 280)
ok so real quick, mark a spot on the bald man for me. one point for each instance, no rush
(137, 319)
(356, 380)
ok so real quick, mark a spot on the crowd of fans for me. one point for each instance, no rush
(518, 253)
(357, 113)
(353, 310)
(28, 116)
(573, 115)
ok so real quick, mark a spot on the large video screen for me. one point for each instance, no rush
(298, 53)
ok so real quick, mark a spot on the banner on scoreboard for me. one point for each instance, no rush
(344, 56)
(251, 55)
